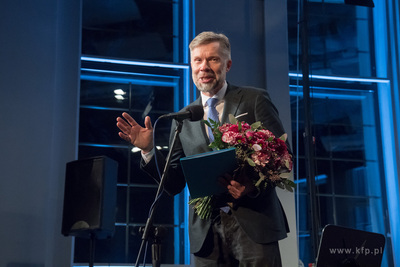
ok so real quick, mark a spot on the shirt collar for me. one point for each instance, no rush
(220, 95)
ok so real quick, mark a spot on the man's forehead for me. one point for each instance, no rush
(209, 47)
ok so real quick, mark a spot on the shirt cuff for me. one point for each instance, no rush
(147, 156)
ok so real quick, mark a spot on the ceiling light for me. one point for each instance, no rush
(119, 92)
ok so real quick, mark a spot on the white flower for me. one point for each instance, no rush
(256, 147)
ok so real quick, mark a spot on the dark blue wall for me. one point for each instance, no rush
(39, 78)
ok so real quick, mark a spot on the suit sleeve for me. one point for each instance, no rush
(267, 113)
(174, 179)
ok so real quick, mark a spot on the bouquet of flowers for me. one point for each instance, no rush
(257, 148)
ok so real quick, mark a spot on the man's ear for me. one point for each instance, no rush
(228, 65)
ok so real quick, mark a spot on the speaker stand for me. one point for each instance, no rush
(92, 248)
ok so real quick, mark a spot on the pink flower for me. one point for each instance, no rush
(261, 159)
(233, 138)
(245, 126)
(250, 135)
(268, 152)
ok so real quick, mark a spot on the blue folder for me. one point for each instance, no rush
(202, 171)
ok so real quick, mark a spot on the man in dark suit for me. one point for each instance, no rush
(247, 232)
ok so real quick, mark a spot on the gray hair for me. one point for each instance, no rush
(210, 37)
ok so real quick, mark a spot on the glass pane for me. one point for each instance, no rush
(98, 122)
(347, 162)
(339, 38)
(98, 126)
(343, 122)
(141, 29)
(357, 213)
(305, 255)
(141, 199)
(103, 94)
(300, 177)
(350, 179)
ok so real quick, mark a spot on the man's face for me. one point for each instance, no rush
(209, 67)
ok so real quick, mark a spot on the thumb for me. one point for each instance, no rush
(147, 123)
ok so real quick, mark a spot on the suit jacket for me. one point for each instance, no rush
(261, 217)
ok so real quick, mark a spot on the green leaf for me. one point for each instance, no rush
(283, 137)
(232, 119)
(291, 183)
(280, 185)
(289, 188)
(287, 164)
(256, 125)
(206, 123)
(257, 184)
(285, 175)
(251, 162)
(214, 124)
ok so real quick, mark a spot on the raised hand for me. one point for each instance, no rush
(132, 132)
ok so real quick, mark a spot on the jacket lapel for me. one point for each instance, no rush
(232, 100)
(194, 137)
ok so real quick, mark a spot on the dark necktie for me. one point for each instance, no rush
(212, 114)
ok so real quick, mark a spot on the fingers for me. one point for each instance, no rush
(129, 119)
(125, 125)
(122, 123)
(147, 123)
(236, 189)
(135, 134)
(124, 137)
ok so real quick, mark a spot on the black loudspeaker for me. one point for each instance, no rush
(90, 198)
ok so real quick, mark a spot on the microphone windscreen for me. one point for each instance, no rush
(197, 112)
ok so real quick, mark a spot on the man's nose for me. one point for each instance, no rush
(204, 65)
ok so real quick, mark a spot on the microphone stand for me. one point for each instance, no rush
(149, 223)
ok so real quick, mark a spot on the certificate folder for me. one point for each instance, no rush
(202, 171)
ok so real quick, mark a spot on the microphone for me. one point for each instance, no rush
(193, 113)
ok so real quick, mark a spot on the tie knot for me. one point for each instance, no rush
(211, 102)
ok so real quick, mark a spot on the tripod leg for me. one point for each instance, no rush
(156, 254)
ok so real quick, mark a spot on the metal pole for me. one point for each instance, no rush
(308, 137)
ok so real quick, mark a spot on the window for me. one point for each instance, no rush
(348, 161)
(346, 121)
(134, 60)
(339, 38)
(140, 29)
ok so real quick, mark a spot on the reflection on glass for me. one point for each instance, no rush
(140, 29)
(339, 38)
